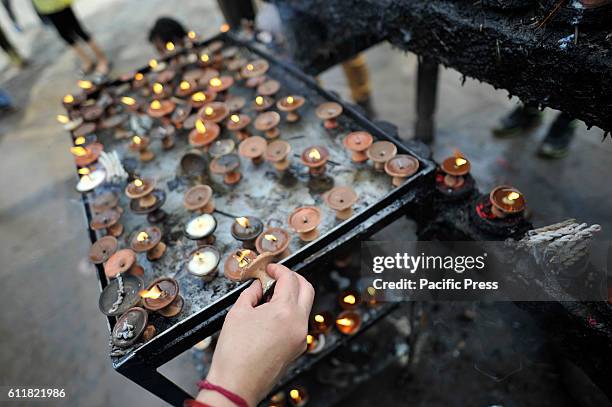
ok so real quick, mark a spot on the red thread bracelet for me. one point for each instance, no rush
(206, 385)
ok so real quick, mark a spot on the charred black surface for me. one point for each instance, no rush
(547, 66)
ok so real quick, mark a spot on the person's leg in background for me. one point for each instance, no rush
(520, 120)
(559, 137)
(358, 78)
(14, 56)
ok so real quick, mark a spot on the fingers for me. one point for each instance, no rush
(287, 284)
(306, 294)
(251, 296)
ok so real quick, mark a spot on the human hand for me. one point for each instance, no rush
(257, 343)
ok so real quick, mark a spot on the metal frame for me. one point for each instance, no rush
(141, 365)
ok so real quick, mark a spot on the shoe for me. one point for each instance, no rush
(521, 119)
(557, 141)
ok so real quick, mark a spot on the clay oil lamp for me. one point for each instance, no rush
(204, 262)
(162, 296)
(92, 113)
(245, 264)
(86, 155)
(160, 108)
(90, 180)
(255, 81)
(268, 122)
(203, 134)
(229, 53)
(315, 158)
(193, 164)
(140, 80)
(220, 84)
(235, 103)
(141, 189)
(349, 299)
(105, 201)
(304, 221)
(145, 199)
(277, 152)
(199, 199)
(157, 66)
(159, 91)
(278, 400)
(348, 322)
(185, 88)
(141, 144)
(165, 76)
(103, 249)
(129, 327)
(214, 112)
(341, 200)
(298, 396)
(167, 135)
(201, 229)
(237, 123)
(221, 147)
(84, 130)
(269, 88)
(235, 65)
(321, 322)
(262, 103)
(67, 123)
(200, 98)
(455, 169)
(255, 68)
(275, 241)
(290, 104)
(371, 297)
(114, 121)
(149, 240)
(506, 201)
(130, 103)
(120, 295)
(88, 87)
(315, 343)
(358, 142)
(109, 221)
(69, 101)
(121, 262)
(329, 113)
(380, 152)
(246, 229)
(180, 114)
(401, 167)
(227, 165)
(194, 75)
(206, 59)
(253, 148)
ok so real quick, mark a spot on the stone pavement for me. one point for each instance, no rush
(52, 332)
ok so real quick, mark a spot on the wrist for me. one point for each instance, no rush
(234, 384)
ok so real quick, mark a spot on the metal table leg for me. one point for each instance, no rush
(427, 90)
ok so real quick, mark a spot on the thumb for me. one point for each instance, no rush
(251, 296)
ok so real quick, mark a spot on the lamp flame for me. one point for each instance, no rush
(154, 293)
(128, 101)
(170, 46)
(319, 318)
(216, 82)
(270, 238)
(84, 171)
(345, 321)
(204, 58)
(68, 98)
(250, 67)
(224, 28)
(209, 111)
(290, 100)
(513, 196)
(259, 100)
(198, 97)
(184, 85)
(243, 221)
(139, 76)
(459, 161)
(295, 395)
(349, 299)
(156, 105)
(138, 182)
(142, 236)
(191, 35)
(158, 88)
(79, 141)
(153, 63)
(200, 127)
(235, 118)
(84, 84)
(62, 118)
(242, 258)
(309, 339)
(78, 151)
(136, 140)
(314, 154)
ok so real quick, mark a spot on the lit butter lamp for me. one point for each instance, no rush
(149, 240)
(86, 155)
(200, 98)
(204, 133)
(506, 201)
(130, 327)
(237, 124)
(358, 142)
(85, 130)
(298, 396)
(157, 66)
(254, 69)
(103, 249)
(277, 152)
(329, 113)
(166, 76)
(290, 105)
(140, 144)
(214, 112)
(305, 221)
(221, 147)
(235, 103)
(160, 108)
(275, 241)
(220, 84)
(245, 264)
(139, 81)
(349, 299)
(201, 229)
(261, 103)
(104, 201)
(268, 123)
(269, 88)
(228, 166)
(380, 152)
(348, 322)
(185, 88)
(401, 167)
(162, 296)
(159, 91)
(68, 123)
(119, 295)
(321, 322)
(203, 263)
(180, 114)
(253, 148)
(246, 229)
(199, 199)
(123, 262)
(87, 86)
(315, 158)
(315, 343)
(71, 101)
(108, 221)
(90, 180)
(454, 170)
(145, 199)
(341, 200)
(235, 65)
